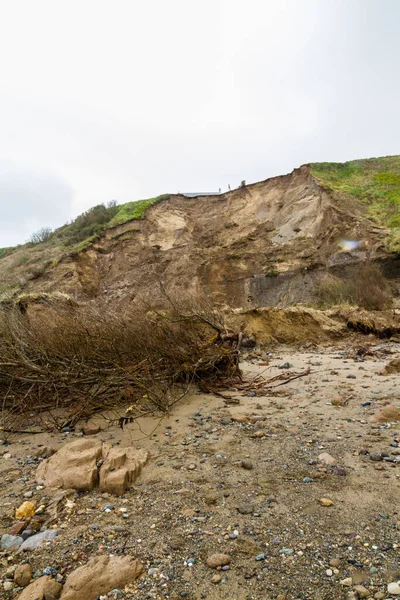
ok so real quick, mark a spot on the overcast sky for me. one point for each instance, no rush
(126, 99)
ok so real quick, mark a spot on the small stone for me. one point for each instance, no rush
(379, 596)
(191, 467)
(90, 429)
(18, 528)
(394, 588)
(327, 459)
(329, 572)
(308, 480)
(325, 502)
(23, 575)
(218, 560)
(8, 586)
(216, 578)
(287, 551)
(245, 509)
(376, 456)
(348, 582)
(361, 591)
(28, 494)
(246, 464)
(27, 509)
(260, 557)
(334, 562)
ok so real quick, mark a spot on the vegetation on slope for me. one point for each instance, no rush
(375, 182)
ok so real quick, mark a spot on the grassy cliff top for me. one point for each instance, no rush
(374, 181)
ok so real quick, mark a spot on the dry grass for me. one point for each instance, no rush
(85, 358)
(367, 289)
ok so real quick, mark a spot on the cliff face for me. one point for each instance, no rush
(261, 245)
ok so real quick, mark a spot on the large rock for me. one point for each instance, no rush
(73, 466)
(101, 575)
(120, 468)
(44, 588)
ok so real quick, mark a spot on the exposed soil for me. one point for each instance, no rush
(209, 466)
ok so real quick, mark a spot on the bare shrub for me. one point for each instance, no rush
(86, 358)
(368, 289)
(42, 235)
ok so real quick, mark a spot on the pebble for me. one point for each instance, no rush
(394, 588)
(245, 509)
(329, 572)
(218, 560)
(8, 585)
(308, 480)
(361, 591)
(286, 551)
(246, 464)
(348, 582)
(216, 578)
(260, 557)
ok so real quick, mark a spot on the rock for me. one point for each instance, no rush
(10, 542)
(379, 596)
(101, 575)
(347, 582)
(44, 588)
(387, 414)
(376, 456)
(218, 560)
(120, 468)
(393, 588)
(334, 562)
(246, 464)
(8, 586)
(23, 575)
(35, 541)
(216, 578)
(327, 459)
(18, 528)
(91, 429)
(73, 466)
(361, 591)
(325, 502)
(27, 509)
(245, 509)
(392, 367)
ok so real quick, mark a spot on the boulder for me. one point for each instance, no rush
(120, 468)
(44, 588)
(101, 575)
(73, 466)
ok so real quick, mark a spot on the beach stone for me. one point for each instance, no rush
(386, 415)
(101, 575)
(10, 542)
(393, 588)
(44, 588)
(27, 509)
(23, 575)
(327, 459)
(218, 560)
(361, 591)
(35, 541)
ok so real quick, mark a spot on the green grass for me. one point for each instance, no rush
(375, 182)
(134, 210)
